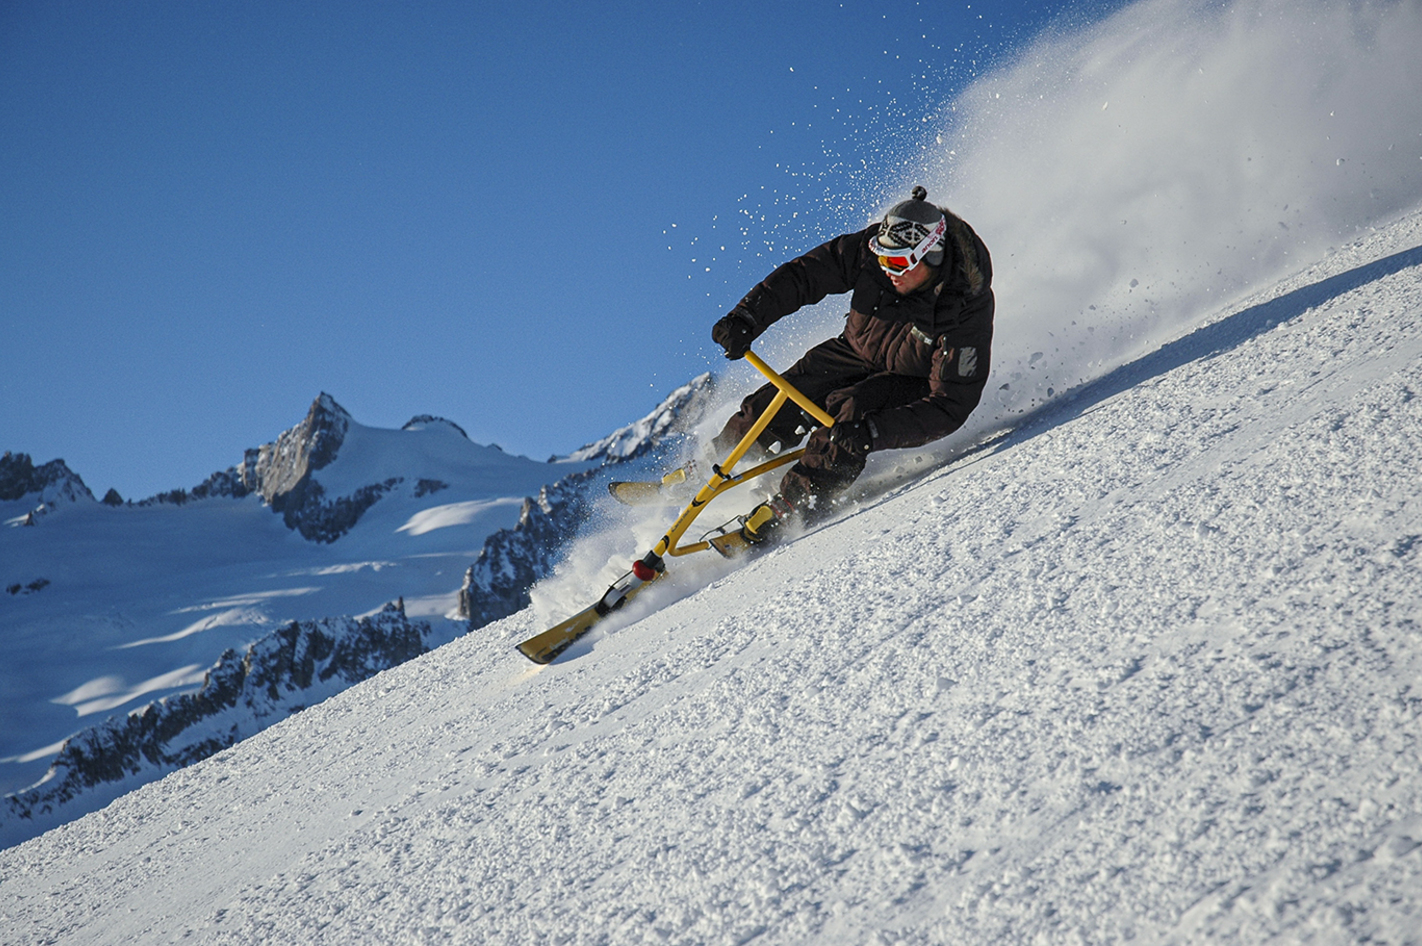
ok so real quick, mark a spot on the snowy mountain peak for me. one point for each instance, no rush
(325, 404)
(427, 421)
(277, 468)
(681, 408)
(47, 485)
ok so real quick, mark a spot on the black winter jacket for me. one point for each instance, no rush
(942, 332)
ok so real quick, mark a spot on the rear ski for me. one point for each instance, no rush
(670, 490)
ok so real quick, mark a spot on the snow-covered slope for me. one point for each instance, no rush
(241, 694)
(1145, 669)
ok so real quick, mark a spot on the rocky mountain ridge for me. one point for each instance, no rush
(640, 437)
(51, 484)
(514, 560)
(281, 473)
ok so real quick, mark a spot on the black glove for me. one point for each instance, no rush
(856, 436)
(734, 332)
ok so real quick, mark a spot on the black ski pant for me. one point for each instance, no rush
(834, 377)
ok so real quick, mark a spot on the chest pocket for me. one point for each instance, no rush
(868, 294)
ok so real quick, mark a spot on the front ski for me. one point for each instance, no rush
(544, 648)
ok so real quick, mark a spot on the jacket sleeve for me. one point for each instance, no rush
(826, 270)
(961, 364)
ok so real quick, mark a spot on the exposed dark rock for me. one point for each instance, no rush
(513, 560)
(278, 468)
(425, 487)
(227, 483)
(18, 476)
(305, 508)
(112, 498)
(52, 482)
(420, 421)
(173, 497)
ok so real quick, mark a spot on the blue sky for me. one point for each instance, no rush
(510, 215)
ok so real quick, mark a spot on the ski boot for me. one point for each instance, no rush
(766, 522)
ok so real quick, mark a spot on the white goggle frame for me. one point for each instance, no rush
(897, 261)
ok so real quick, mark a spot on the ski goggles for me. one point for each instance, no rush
(896, 261)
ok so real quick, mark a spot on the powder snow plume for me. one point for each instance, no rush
(1132, 177)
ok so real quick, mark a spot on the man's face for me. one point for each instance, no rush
(905, 283)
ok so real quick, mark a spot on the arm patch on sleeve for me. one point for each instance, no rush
(963, 365)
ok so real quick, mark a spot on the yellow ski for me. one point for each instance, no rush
(662, 492)
(545, 648)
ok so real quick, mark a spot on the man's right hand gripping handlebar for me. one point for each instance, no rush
(734, 332)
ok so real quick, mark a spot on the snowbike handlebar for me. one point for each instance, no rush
(790, 391)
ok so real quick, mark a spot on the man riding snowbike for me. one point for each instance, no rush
(908, 369)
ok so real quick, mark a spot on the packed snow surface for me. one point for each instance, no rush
(1145, 668)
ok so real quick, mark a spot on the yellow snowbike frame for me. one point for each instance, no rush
(544, 647)
(721, 478)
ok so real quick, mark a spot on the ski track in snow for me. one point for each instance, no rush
(1144, 669)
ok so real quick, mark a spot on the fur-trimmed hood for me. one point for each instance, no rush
(969, 254)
